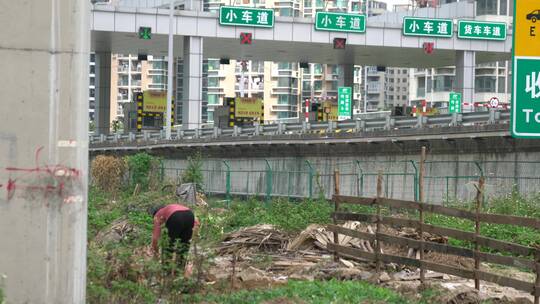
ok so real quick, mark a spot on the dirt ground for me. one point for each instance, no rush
(244, 261)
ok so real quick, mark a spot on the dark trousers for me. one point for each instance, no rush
(180, 229)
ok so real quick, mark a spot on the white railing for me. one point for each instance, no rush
(295, 127)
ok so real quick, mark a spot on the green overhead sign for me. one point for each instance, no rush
(340, 22)
(454, 103)
(413, 26)
(244, 16)
(481, 30)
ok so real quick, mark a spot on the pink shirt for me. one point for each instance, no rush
(162, 216)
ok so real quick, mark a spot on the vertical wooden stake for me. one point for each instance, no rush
(537, 281)
(336, 209)
(378, 229)
(421, 213)
(479, 197)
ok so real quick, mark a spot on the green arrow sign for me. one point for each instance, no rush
(344, 103)
(145, 33)
(340, 22)
(481, 30)
(230, 15)
(413, 26)
(454, 103)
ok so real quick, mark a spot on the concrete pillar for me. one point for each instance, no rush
(44, 150)
(348, 81)
(103, 93)
(192, 83)
(465, 69)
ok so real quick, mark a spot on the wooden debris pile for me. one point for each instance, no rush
(317, 236)
(259, 237)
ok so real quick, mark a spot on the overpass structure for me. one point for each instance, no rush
(199, 35)
(398, 129)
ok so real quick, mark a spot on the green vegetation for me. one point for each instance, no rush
(308, 292)
(143, 169)
(119, 271)
(193, 173)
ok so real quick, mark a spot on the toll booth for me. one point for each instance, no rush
(239, 111)
(147, 111)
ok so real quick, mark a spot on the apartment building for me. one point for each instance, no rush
(92, 88)
(491, 79)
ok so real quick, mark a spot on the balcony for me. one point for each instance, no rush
(283, 108)
(284, 90)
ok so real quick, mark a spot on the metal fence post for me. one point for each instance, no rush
(336, 209)
(421, 214)
(415, 180)
(269, 181)
(227, 181)
(310, 181)
(479, 196)
(359, 179)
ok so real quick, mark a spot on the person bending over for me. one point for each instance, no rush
(181, 224)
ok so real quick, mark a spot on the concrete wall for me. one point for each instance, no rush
(448, 176)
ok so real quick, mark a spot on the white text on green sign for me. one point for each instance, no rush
(413, 26)
(340, 22)
(243, 16)
(344, 102)
(526, 97)
(481, 30)
(454, 103)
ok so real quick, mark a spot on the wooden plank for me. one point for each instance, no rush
(448, 211)
(352, 233)
(449, 232)
(347, 216)
(438, 209)
(437, 247)
(506, 260)
(460, 272)
(364, 201)
(510, 220)
(351, 252)
(505, 281)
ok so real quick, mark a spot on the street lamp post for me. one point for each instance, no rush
(170, 62)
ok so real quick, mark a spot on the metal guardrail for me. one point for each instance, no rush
(350, 126)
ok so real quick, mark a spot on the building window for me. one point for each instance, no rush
(284, 82)
(282, 115)
(486, 7)
(284, 66)
(213, 65)
(443, 83)
(319, 3)
(213, 82)
(283, 99)
(286, 11)
(213, 99)
(485, 84)
(501, 85)
(421, 90)
(503, 4)
(317, 69)
(317, 85)
(306, 86)
(307, 3)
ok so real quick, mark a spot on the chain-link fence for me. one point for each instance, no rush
(443, 180)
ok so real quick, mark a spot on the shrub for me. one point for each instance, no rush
(143, 170)
(108, 173)
(193, 173)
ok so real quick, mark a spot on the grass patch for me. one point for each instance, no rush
(308, 292)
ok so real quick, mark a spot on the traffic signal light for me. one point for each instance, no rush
(339, 43)
(145, 32)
